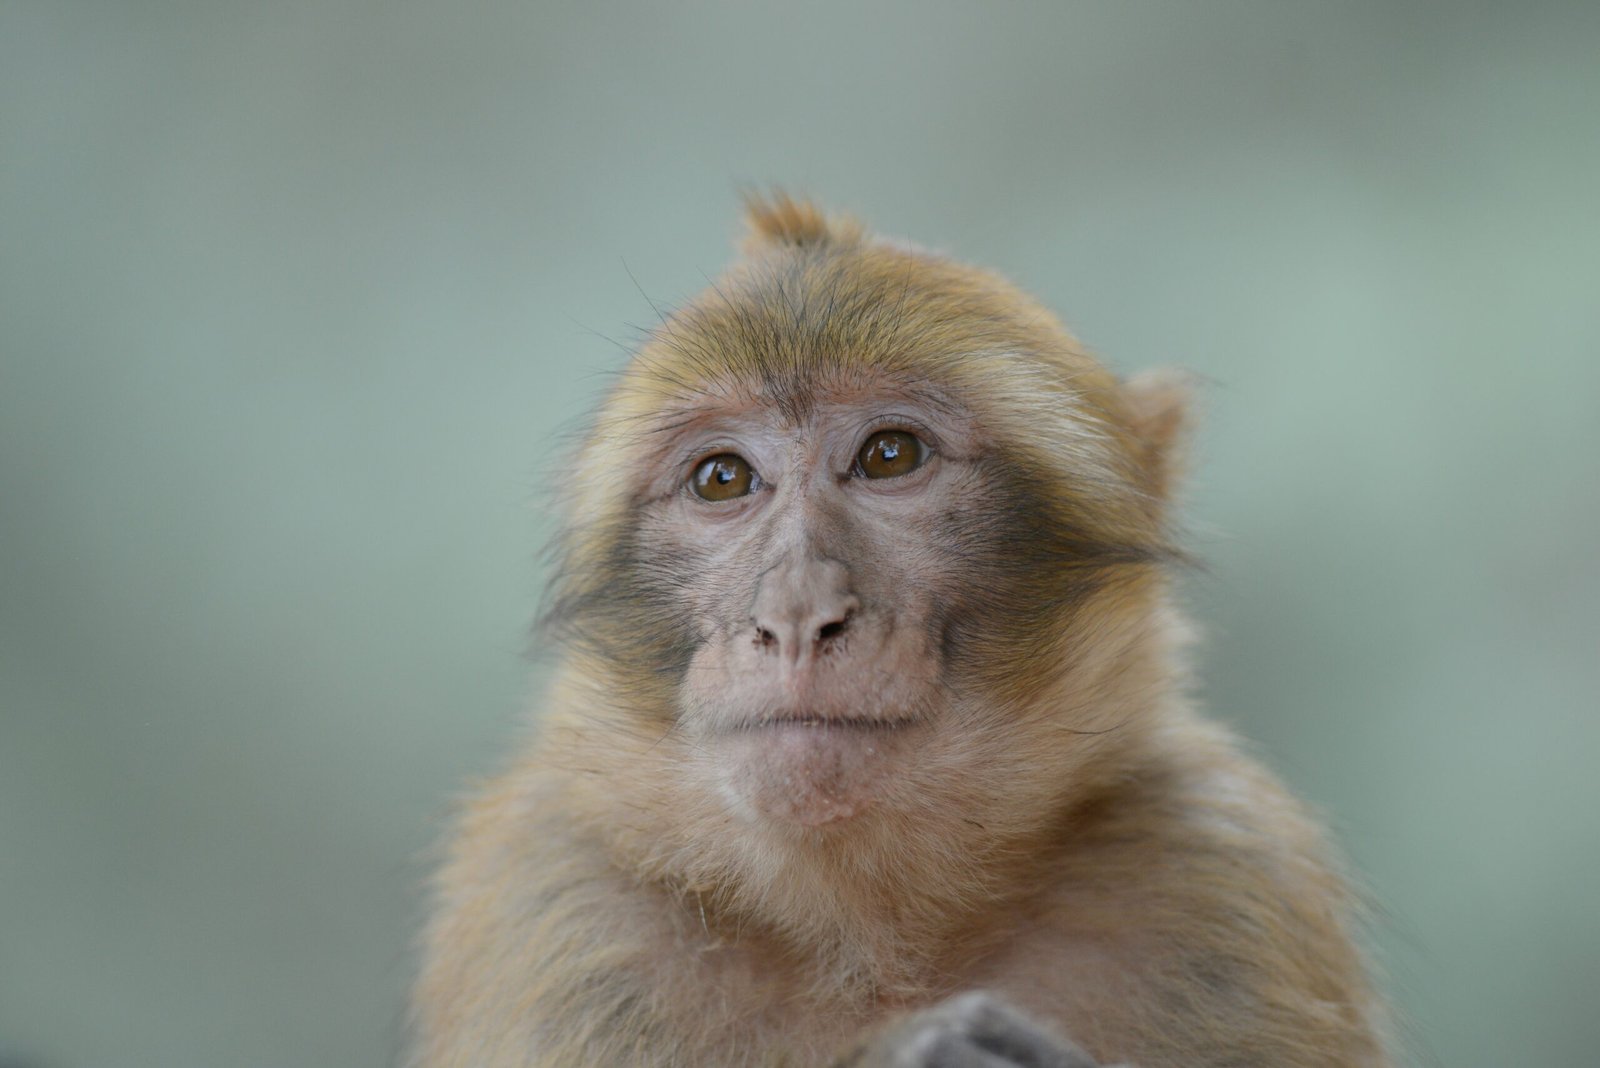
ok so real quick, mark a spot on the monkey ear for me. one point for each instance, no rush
(775, 219)
(1159, 405)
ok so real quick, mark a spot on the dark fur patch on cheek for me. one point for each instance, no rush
(1027, 563)
(629, 606)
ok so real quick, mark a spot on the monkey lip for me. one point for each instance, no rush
(814, 770)
(827, 723)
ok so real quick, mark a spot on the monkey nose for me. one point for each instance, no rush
(794, 639)
(802, 611)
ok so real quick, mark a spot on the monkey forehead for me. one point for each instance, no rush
(849, 399)
(789, 320)
(797, 327)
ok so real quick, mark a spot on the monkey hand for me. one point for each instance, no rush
(975, 1030)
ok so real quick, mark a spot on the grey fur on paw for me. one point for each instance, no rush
(978, 1030)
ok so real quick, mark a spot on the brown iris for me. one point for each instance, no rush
(890, 454)
(722, 477)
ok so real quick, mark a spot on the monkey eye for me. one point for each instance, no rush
(722, 477)
(890, 454)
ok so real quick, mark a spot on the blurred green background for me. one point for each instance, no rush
(296, 300)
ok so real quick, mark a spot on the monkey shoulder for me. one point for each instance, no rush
(1198, 893)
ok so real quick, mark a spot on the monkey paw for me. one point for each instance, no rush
(977, 1030)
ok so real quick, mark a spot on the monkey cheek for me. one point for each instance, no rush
(809, 776)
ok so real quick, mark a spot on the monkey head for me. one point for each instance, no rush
(851, 493)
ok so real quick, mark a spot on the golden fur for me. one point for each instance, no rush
(1074, 837)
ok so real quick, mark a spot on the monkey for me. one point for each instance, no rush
(870, 740)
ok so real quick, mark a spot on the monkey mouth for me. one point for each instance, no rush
(810, 769)
(868, 724)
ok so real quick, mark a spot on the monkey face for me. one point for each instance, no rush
(819, 573)
(849, 495)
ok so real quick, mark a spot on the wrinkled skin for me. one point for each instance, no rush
(820, 659)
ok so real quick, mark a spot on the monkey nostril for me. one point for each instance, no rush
(828, 631)
(789, 636)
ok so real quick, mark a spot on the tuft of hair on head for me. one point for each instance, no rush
(774, 219)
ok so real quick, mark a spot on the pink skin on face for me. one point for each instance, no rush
(816, 670)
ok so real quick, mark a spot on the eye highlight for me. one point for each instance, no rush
(722, 477)
(890, 454)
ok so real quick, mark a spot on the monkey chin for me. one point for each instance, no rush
(811, 771)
